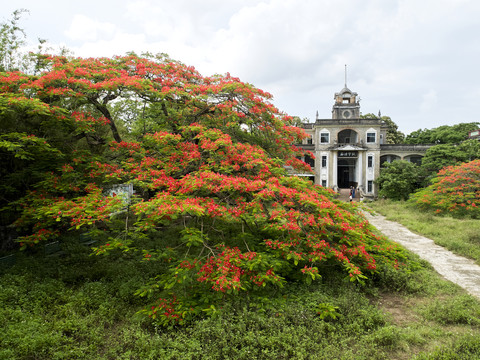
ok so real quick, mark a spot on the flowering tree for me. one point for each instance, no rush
(215, 210)
(455, 191)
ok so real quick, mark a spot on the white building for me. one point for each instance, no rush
(349, 150)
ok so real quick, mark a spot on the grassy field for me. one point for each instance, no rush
(461, 236)
(81, 307)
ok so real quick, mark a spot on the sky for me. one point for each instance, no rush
(415, 61)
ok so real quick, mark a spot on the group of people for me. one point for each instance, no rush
(352, 193)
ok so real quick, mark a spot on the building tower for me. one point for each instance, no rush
(346, 105)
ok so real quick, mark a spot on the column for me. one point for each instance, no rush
(360, 170)
(335, 169)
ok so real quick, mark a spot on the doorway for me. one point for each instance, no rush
(346, 173)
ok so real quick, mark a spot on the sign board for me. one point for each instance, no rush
(348, 154)
(125, 191)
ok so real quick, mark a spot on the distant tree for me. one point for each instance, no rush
(394, 136)
(12, 37)
(442, 155)
(297, 121)
(398, 180)
(445, 134)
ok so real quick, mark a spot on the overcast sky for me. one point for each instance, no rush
(416, 61)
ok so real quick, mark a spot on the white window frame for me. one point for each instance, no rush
(370, 161)
(324, 157)
(327, 133)
(371, 132)
(370, 186)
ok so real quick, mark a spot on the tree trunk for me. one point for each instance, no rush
(104, 110)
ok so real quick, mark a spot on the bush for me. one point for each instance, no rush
(398, 180)
(455, 191)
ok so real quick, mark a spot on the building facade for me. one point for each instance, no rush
(349, 150)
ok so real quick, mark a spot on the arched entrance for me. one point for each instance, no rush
(346, 173)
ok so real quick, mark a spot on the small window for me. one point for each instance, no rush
(310, 140)
(370, 186)
(324, 138)
(324, 183)
(370, 161)
(371, 137)
(324, 161)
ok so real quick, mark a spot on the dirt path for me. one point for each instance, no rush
(457, 269)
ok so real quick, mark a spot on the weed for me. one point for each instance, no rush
(82, 307)
(454, 310)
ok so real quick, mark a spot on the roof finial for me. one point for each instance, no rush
(345, 75)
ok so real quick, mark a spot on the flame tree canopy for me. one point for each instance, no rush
(214, 208)
(455, 191)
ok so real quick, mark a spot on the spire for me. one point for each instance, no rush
(345, 75)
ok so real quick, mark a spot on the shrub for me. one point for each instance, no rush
(455, 191)
(398, 180)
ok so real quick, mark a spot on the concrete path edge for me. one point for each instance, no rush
(457, 269)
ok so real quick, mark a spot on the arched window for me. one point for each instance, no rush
(388, 159)
(347, 136)
(416, 159)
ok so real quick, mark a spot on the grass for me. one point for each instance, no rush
(461, 236)
(82, 307)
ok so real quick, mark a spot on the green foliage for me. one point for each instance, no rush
(398, 180)
(439, 156)
(327, 311)
(467, 347)
(445, 134)
(394, 136)
(82, 307)
(458, 310)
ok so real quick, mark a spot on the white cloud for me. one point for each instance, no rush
(120, 44)
(414, 60)
(86, 29)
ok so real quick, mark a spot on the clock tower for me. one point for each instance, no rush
(347, 103)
